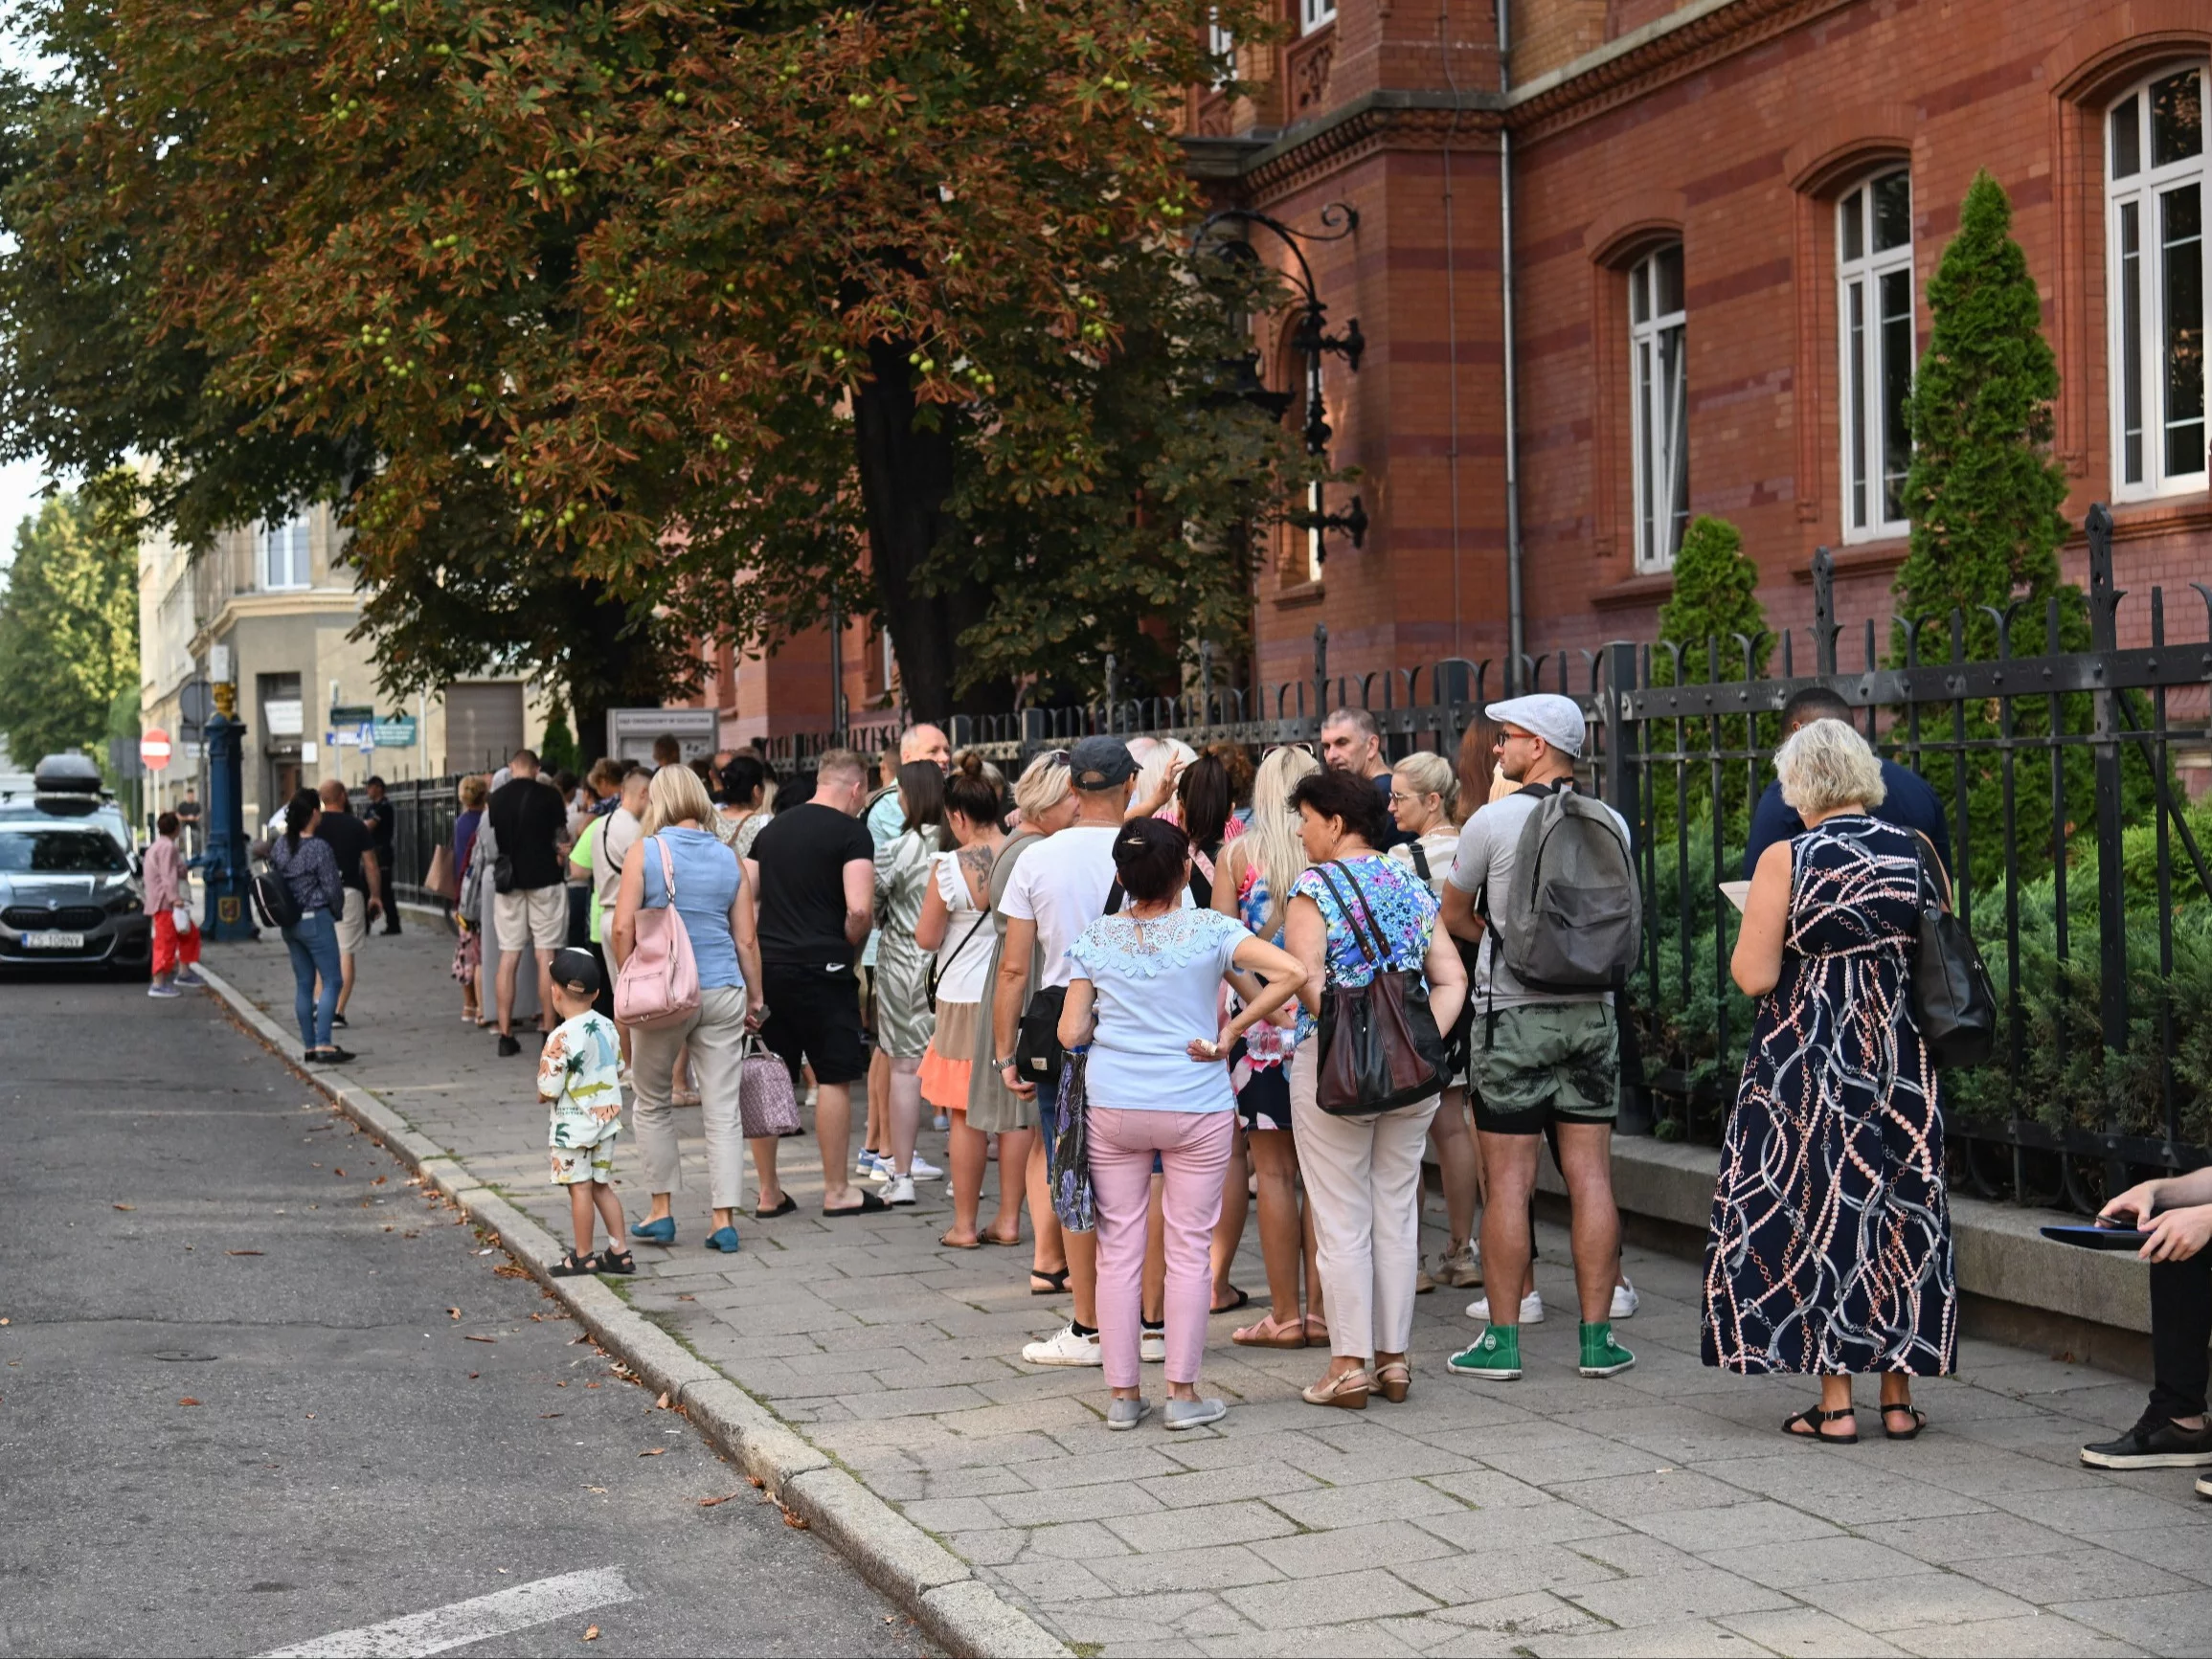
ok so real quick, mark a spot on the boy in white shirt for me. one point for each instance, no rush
(579, 1079)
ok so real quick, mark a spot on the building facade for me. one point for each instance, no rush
(278, 603)
(1722, 221)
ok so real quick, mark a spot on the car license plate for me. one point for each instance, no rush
(53, 941)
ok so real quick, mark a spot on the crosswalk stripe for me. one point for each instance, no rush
(475, 1619)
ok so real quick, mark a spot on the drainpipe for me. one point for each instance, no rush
(1515, 634)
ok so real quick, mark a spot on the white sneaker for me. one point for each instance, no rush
(1152, 1346)
(1532, 1309)
(1625, 1300)
(1064, 1348)
(942, 1121)
(871, 1166)
(922, 1170)
(898, 1190)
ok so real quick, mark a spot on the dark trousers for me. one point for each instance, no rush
(2180, 1335)
(384, 889)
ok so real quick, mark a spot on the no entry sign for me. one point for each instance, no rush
(153, 750)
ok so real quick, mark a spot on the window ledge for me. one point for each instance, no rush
(1641, 590)
(2158, 515)
(1300, 593)
(1862, 559)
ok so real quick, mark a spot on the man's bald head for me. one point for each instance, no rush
(333, 795)
(925, 742)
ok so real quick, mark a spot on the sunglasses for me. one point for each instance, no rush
(1302, 746)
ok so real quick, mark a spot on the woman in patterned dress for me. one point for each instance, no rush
(1831, 1250)
(903, 1015)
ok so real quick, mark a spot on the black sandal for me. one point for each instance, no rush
(1242, 1300)
(574, 1266)
(784, 1208)
(1806, 1426)
(614, 1258)
(1919, 1421)
(870, 1205)
(1048, 1283)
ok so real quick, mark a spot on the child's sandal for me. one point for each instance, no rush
(616, 1260)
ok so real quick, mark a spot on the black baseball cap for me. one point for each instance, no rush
(577, 969)
(1099, 763)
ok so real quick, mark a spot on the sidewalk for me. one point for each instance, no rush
(1655, 1513)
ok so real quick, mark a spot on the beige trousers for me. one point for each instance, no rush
(1362, 1181)
(718, 1039)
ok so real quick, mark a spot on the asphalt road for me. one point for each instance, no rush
(256, 1391)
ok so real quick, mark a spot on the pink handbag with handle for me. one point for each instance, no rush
(658, 985)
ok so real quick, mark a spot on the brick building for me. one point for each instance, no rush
(1724, 219)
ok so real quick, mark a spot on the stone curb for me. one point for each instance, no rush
(908, 1566)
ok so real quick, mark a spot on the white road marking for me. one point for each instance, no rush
(475, 1619)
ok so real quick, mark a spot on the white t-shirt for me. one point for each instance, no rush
(1488, 850)
(964, 958)
(1061, 884)
(1159, 985)
(617, 834)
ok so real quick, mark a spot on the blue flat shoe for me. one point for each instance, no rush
(660, 1232)
(723, 1239)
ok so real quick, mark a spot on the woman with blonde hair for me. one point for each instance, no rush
(1830, 1251)
(1252, 884)
(1045, 802)
(679, 862)
(1424, 791)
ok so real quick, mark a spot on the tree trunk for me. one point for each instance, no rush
(906, 473)
(612, 666)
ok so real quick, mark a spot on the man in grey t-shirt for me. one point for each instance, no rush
(1537, 1060)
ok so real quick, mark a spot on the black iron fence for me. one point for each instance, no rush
(423, 811)
(2079, 859)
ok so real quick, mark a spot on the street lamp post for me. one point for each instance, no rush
(1311, 340)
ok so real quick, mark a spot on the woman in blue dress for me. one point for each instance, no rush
(1831, 1252)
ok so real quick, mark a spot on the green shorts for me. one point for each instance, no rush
(574, 1165)
(1545, 1061)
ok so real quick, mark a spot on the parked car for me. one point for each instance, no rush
(70, 890)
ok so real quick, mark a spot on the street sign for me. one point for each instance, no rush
(351, 713)
(153, 748)
(363, 736)
(220, 665)
(396, 733)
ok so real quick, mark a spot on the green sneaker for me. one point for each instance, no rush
(1495, 1355)
(1601, 1355)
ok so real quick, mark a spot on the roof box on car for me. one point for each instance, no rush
(67, 774)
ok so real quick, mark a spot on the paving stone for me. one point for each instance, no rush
(1944, 1540)
(2177, 1624)
(1211, 1567)
(1814, 1561)
(1487, 1488)
(1122, 1466)
(2111, 1508)
(1058, 1505)
(2179, 1550)
(1507, 1529)
(1130, 1617)
(1045, 1581)
(1374, 1639)
(1076, 1541)
(2074, 1575)
(1184, 1529)
(1815, 1480)
(1633, 1554)
(1348, 1506)
(1706, 1593)
(1675, 1639)
(1538, 1613)
(1342, 1549)
(1338, 1598)
(1485, 1578)
(1264, 1479)
(1922, 1599)
(950, 1514)
(1745, 1522)
(1808, 1632)
(1631, 1498)
(994, 1547)
(2046, 1636)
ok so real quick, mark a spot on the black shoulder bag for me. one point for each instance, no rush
(1037, 1052)
(1953, 1002)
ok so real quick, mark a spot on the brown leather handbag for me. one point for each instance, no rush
(1380, 1047)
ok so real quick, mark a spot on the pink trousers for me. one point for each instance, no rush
(1193, 1148)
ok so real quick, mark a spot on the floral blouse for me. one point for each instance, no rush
(1398, 907)
(579, 1079)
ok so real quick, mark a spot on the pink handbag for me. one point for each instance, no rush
(658, 985)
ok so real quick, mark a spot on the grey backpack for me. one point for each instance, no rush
(1573, 920)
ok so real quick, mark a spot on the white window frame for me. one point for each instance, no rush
(285, 556)
(1220, 43)
(1316, 15)
(1658, 419)
(2138, 291)
(1864, 349)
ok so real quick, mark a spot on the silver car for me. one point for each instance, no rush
(69, 894)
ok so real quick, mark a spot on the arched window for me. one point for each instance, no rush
(2155, 262)
(285, 555)
(1660, 406)
(1874, 328)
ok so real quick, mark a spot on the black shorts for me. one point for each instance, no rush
(814, 1019)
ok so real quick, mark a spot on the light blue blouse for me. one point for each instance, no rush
(707, 878)
(1158, 985)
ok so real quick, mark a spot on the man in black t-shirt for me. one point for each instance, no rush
(378, 814)
(814, 871)
(529, 907)
(351, 845)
